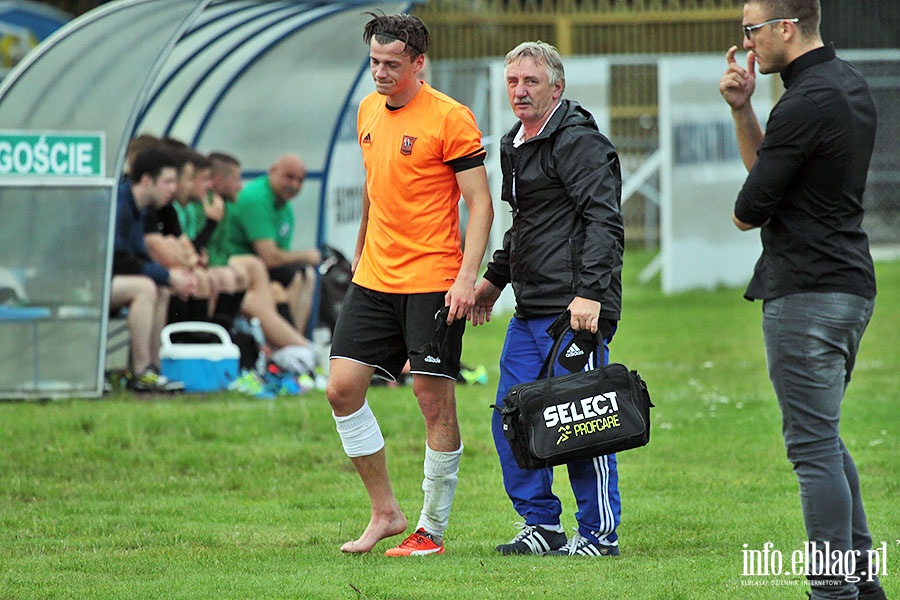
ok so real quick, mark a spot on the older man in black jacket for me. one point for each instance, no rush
(562, 178)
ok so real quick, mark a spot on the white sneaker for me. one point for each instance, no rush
(578, 545)
(300, 360)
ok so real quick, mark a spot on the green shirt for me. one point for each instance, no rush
(253, 216)
(191, 217)
(216, 248)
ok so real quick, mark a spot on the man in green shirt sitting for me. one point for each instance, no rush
(261, 222)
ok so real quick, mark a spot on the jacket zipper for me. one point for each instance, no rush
(514, 200)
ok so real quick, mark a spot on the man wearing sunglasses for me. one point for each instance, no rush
(804, 191)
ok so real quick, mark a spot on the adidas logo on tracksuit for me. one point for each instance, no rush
(573, 350)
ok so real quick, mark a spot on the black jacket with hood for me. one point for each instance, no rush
(567, 236)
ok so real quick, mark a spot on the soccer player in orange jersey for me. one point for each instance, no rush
(422, 150)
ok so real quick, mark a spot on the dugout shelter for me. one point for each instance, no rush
(254, 78)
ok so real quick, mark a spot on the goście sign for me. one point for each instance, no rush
(51, 154)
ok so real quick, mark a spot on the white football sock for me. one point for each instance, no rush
(439, 485)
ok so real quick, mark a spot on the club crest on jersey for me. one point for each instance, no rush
(406, 145)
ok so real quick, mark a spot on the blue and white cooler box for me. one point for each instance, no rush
(202, 367)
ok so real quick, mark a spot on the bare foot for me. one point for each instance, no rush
(380, 527)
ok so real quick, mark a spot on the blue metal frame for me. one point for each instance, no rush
(178, 69)
(247, 64)
(197, 24)
(335, 132)
(188, 25)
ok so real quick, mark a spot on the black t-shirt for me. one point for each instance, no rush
(162, 220)
(808, 183)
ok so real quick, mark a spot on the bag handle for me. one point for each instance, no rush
(193, 327)
(558, 330)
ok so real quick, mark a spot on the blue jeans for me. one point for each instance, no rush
(595, 483)
(811, 345)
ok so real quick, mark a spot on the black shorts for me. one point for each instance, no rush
(285, 273)
(384, 330)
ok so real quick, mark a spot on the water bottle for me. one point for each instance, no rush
(258, 335)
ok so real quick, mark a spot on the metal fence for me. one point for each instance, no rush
(882, 72)
(634, 128)
(480, 28)
(586, 27)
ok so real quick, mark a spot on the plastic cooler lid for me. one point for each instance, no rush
(225, 349)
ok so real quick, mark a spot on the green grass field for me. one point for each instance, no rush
(224, 496)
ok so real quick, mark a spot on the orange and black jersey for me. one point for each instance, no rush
(411, 156)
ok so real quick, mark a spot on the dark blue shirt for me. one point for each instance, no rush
(130, 256)
(808, 181)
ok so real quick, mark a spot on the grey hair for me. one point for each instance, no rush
(543, 54)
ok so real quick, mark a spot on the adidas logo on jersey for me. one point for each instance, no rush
(367, 139)
(431, 359)
(573, 350)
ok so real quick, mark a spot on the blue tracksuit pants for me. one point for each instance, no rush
(595, 482)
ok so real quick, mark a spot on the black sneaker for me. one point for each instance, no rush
(581, 546)
(867, 591)
(870, 591)
(533, 539)
(151, 381)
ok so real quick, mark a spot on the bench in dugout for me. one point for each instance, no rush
(118, 342)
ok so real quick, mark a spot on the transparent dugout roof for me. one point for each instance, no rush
(251, 78)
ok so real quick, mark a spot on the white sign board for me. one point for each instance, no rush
(700, 177)
(587, 82)
(346, 178)
(51, 154)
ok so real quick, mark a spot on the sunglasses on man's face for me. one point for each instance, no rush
(748, 29)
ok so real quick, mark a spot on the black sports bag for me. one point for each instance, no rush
(556, 420)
